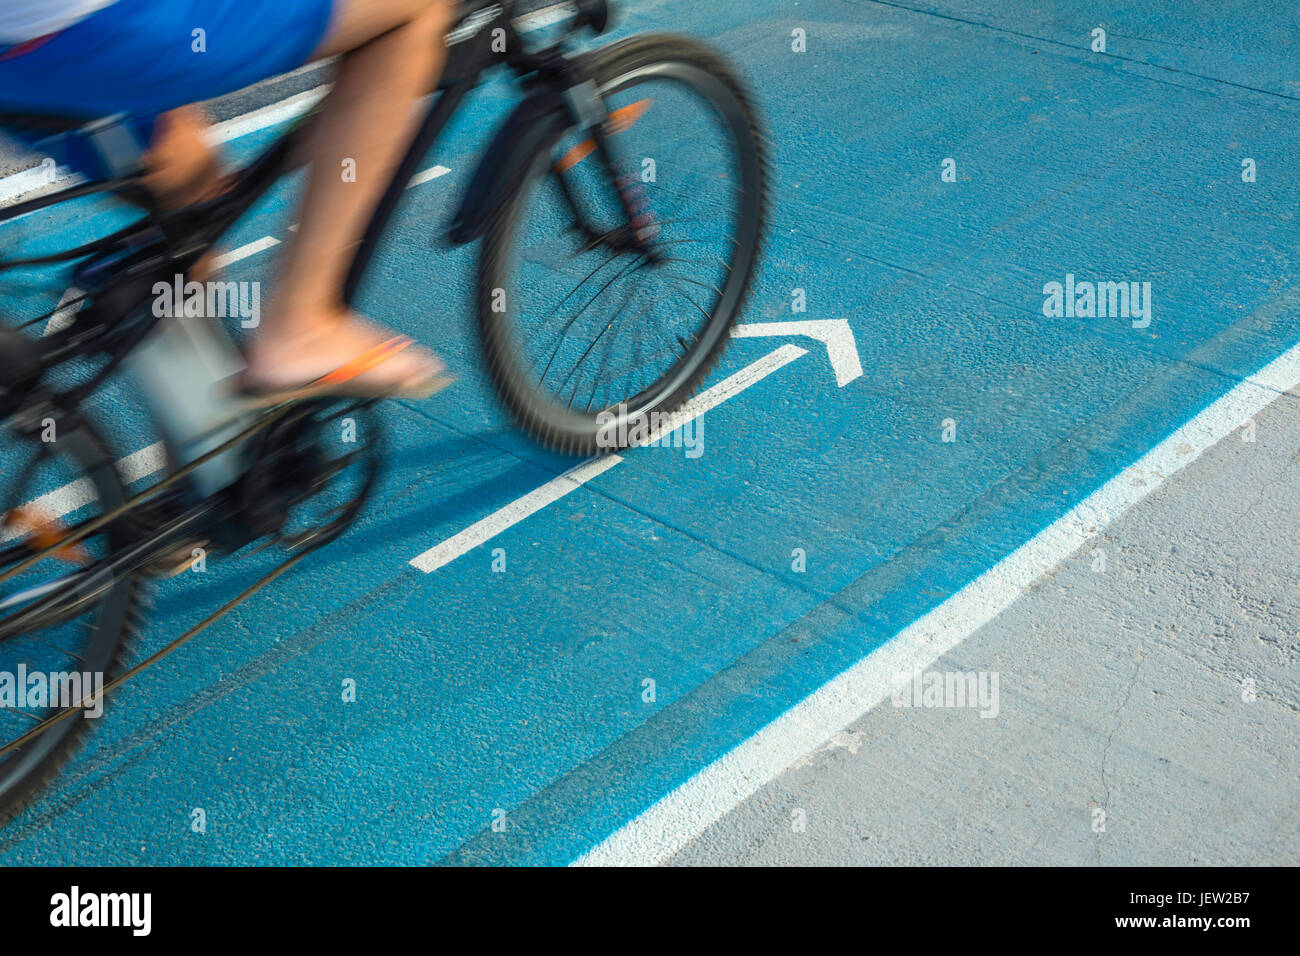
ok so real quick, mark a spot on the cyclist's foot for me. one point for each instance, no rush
(345, 356)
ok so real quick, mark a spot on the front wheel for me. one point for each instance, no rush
(604, 304)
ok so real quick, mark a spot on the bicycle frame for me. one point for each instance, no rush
(121, 269)
(279, 459)
(168, 241)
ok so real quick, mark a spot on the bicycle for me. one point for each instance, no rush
(558, 168)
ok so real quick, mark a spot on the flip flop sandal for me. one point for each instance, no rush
(342, 382)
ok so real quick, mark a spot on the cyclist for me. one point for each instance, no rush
(153, 59)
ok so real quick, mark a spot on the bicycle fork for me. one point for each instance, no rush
(588, 110)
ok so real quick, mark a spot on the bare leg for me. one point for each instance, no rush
(391, 54)
(367, 125)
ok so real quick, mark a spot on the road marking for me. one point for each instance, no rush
(149, 460)
(730, 387)
(270, 115)
(684, 813)
(506, 517)
(544, 17)
(273, 114)
(244, 251)
(513, 513)
(433, 172)
(77, 494)
(266, 242)
(63, 313)
(32, 179)
(835, 334)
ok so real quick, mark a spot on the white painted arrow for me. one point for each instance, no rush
(840, 346)
(835, 334)
(444, 552)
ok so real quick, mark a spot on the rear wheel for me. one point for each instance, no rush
(591, 340)
(64, 615)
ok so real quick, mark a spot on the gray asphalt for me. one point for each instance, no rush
(1120, 693)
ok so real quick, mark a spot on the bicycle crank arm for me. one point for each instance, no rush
(58, 601)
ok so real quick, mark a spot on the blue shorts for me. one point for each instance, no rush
(144, 57)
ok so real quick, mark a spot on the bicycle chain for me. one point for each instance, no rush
(82, 531)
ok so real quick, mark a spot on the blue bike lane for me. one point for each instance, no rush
(823, 516)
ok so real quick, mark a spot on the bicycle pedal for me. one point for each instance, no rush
(43, 532)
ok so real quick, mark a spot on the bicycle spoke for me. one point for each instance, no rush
(634, 264)
(565, 328)
(702, 285)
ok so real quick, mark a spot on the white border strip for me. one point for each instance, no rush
(270, 115)
(684, 813)
(33, 178)
(21, 184)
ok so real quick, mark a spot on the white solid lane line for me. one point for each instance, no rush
(270, 115)
(687, 811)
(63, 312)
(513, 513)
(244, 251)
(433, 172)
(516, 511)
(70, 497)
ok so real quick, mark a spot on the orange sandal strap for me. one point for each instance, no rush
(364, 362)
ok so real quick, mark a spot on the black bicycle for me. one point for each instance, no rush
(620, 207)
